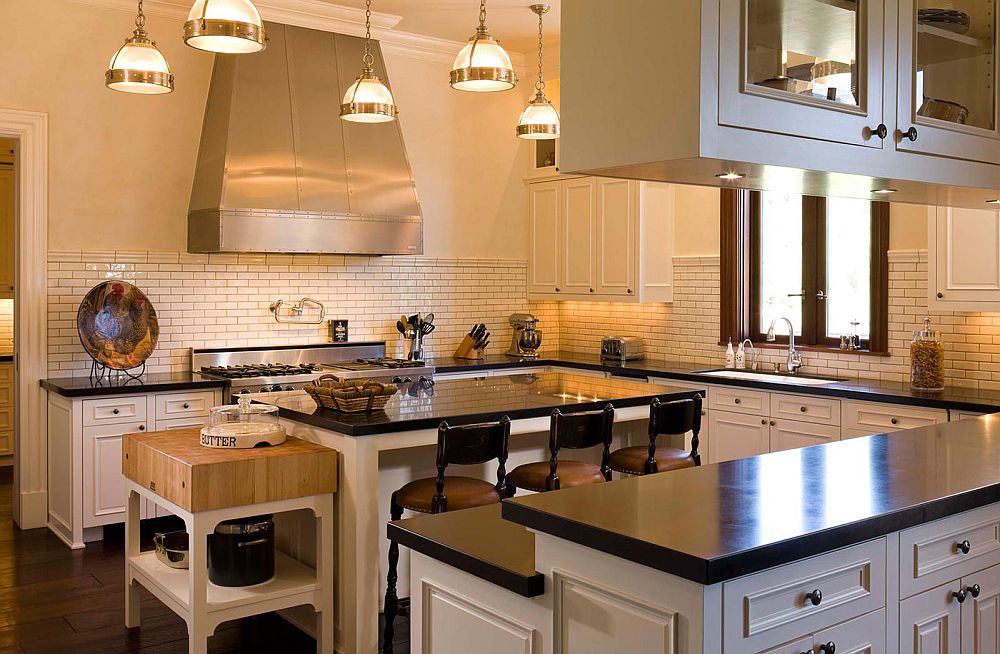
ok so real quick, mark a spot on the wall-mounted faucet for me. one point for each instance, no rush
(794, 360)
(297, 310)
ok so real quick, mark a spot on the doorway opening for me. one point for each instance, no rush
(8, 249)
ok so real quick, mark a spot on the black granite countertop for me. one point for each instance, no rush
(722, 521)
(86, 387)
(966, 399)
(464, 401)
(477, 541)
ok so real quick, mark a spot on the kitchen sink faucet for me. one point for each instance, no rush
(794, 360)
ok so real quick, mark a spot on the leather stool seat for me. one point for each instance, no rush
(632, 460)
(532, 476)
(461, 492)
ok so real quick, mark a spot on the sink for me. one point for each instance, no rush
(772, 377)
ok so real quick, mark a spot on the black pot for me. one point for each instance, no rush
(241, 552)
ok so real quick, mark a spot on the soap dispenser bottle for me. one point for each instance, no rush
(730, 354)
(741, 357)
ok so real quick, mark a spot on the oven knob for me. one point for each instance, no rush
(289, 388)
(245, 391)
(407, 381)
(397, 380)
(276, 388)
(264, 389)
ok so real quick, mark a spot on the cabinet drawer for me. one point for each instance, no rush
(183, 405)
(6, 417)
(793, 434)
(805, 409)
(930, 554)
(6, 394)
(740, 400)
(880, 418)
(6, 442)
(114, 409)
(771, 607)
(182, 423)
(6, 373)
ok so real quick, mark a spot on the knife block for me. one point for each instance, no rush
(467, 350)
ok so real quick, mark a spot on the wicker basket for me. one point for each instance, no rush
(352, 396)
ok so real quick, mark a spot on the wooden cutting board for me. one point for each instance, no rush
(175, 466)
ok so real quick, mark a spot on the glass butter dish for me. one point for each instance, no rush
(243, 426)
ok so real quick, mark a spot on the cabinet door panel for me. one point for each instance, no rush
(930, 623)
(543, 236)
(103, 482)
(966, 258)
(864, 635)
(780, 59)
(617, 222)
(790, 434)
(981, 615)
(579, 228)
(735, 435)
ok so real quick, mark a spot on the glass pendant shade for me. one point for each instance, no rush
(225, 26)
(539, 120)
(483, 65)
(368, 100)
(139, 66)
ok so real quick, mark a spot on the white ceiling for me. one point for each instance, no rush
(510, 20)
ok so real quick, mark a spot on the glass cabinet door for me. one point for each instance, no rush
(805, 67)
(947, 78)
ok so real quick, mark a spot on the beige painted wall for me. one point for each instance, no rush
(121, 166)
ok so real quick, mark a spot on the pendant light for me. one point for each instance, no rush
(482, 65)
(138, 66)
(225, 26)
(539, 120)
(368, 100)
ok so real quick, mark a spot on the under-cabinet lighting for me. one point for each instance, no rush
(884, 191)
(730, 176)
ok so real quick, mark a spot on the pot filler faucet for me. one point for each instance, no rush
(794, 360)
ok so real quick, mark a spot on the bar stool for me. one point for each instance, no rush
(575, 431)
(665, 418)
(464, 445)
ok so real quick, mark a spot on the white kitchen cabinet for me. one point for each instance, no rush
(878, 418)
(930, 623)
(981, 613)
(598, 239)
(85, 485)
(792, 434)
(815, 97)
(543, 237)
(7, 232)
(737, 435)
(964, 260)
(543, 159)
(936, 64)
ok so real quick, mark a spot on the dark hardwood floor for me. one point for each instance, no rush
(55, 600)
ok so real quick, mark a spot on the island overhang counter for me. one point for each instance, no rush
(376, 451)
(889, 543)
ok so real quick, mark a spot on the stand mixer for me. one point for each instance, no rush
(526, 339)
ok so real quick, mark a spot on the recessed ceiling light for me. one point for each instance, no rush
(884, 191)
(730, 176)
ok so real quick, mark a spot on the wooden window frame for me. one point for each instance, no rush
(740, 273)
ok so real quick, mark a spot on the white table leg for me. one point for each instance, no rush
(325, 558)
(199, 526)
(132, 597)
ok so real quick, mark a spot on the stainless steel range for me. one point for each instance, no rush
(289, 368)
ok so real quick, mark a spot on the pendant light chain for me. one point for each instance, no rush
(140, 21)
(368, 59)
(540, 84)
(482, 14)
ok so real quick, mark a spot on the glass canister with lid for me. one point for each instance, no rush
(243, 425)
(927, 359)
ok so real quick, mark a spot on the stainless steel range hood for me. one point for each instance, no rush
(279, 171)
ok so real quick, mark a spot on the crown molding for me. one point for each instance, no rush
(314, 14)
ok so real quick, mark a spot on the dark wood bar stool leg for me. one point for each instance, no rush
(391, 598)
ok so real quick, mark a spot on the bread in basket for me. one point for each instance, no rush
(350, 396)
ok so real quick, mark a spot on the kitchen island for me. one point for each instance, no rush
(379, 452)
(888, 543)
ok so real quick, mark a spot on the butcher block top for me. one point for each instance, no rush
(176, 467)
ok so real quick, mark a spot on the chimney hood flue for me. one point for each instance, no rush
(279, 171)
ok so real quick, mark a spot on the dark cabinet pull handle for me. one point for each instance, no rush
(773, 423)
(142, 427)
(959, 595)
(964, 547)
(802, 409)
(894, 421)
(591, 290)
(763, 422)
(829, 648)
(187, 406)
(974, 590)
(940, 295)
(910, 134)
(736, 401)
(557, 289)
(880, 131)
(115, 411)
(629, 291)
(815, 597)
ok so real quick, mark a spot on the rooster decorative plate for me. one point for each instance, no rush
(117, 325)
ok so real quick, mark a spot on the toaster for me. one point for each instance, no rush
(621, 348)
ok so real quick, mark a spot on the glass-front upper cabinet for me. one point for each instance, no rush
(948, 78)
(810, 68)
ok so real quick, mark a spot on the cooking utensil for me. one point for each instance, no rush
(400, 327)
(427, 328)
(429, 318)
(241, 552)
(172, 548)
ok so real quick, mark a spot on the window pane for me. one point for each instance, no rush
(780, 260)
(848, 266)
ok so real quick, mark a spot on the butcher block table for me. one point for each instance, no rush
(205, 486)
